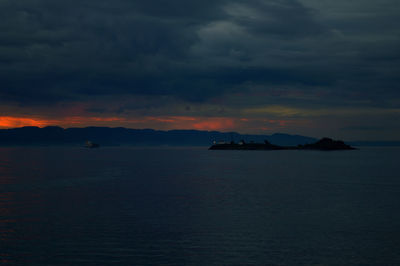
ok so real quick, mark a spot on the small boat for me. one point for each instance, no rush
(89, 144)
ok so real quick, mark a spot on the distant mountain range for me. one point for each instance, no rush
(106, 136)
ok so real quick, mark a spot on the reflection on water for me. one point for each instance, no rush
(130, 206)
(7, 230)
(7, 220)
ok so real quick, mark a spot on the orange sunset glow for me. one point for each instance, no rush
(159, 122)
(12, 122)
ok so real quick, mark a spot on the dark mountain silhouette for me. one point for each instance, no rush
(326, 144)
(54, 135)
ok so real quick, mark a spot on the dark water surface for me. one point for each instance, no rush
(191, 206)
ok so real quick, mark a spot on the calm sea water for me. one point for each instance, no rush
(191, 206)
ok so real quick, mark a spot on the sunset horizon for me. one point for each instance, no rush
(223, 124)
(298, 66)
(199, 132)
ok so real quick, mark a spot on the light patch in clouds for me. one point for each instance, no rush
(287, 111)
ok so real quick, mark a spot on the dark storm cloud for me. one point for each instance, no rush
(71, 49)
(53, 51)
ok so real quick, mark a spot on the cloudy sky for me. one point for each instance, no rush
(311, 67)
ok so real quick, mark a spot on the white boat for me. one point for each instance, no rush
(89, 144)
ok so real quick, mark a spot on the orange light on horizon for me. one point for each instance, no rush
(215, 124)
(155, 122)
(191, 122)
(12, 122)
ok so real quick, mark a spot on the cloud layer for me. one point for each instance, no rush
(201, 58)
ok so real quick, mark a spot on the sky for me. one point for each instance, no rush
(311, 67)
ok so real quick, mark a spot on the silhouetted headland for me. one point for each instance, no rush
(325, 144)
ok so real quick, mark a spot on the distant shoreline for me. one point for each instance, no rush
(325, 144)
(106, 136)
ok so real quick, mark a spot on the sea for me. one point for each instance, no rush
(192, 206)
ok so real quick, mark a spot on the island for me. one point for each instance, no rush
(324, 144)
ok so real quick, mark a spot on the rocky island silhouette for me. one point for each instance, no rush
(324, 144)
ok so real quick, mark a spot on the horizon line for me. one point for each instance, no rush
(170, 130)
